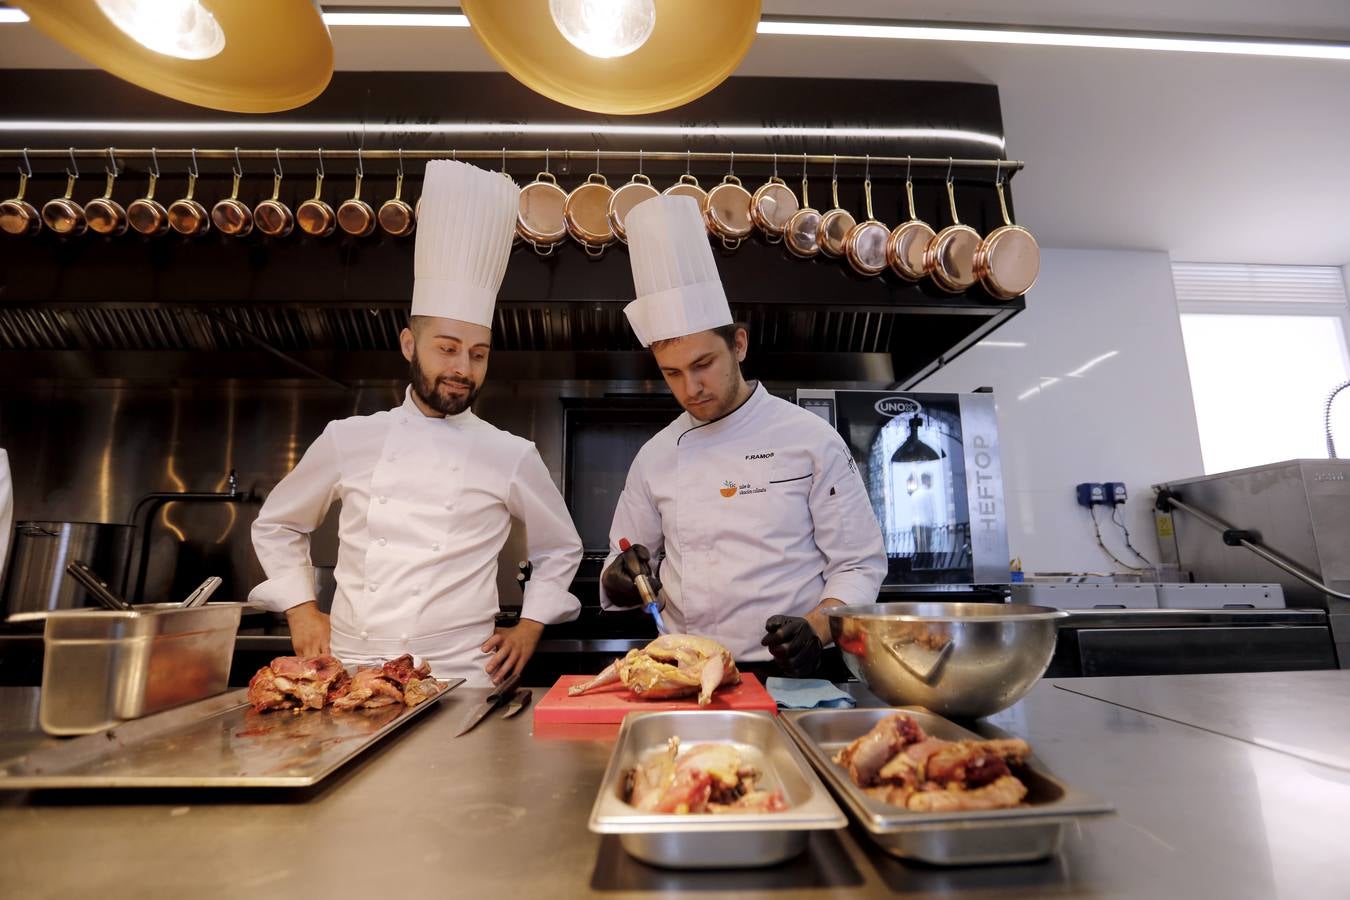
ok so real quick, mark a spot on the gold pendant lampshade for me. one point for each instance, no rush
(252, 56)
(619, 57)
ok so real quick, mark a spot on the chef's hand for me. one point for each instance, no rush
(617, 579)
(511, 649)
(311, 632)
(794, 644)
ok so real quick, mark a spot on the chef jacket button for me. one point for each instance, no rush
(449, 504)
(384, 499)
(403, 420)
(382, 542)
(403, 637)
(365, 635)
(417, 592)
(454, 468)
(436, 546)
(372, 587)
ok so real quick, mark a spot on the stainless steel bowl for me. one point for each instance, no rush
(962, 660)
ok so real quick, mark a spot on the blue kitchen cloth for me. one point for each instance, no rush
(807, 693)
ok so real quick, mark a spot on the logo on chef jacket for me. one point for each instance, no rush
(728, 489)
(897, 406)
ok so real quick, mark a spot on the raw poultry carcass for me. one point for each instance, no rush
(673, 665)
(297, 682)
(898, 763)
(706, 778)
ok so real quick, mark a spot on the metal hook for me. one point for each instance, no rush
(834, 169)
(73, 165)
(949, 169)
(277, 170)
(503, 160)
(194, 171)
(867, 167)
(731, 166)
(400, 162)
(320, 172)
(546, 154)
(909, 165)
(154, 164)
(360, 164)
(688, 160)
(803, 165)
(639, 160)
(454, 155)
(238, 168)
(998, 173)
(597, 160)
(27, 170)
(775, 165)
(112, 158)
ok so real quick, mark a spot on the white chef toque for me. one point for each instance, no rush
(465, 226)
(678, 288)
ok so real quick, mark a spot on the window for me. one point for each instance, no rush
(1265, 345)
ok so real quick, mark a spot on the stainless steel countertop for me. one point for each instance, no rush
(1306, 714)
(501, 811)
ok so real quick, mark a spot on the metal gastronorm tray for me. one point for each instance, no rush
(217, 742)
(1033, 830)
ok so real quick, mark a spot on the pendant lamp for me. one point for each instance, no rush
(252, 56)
(619, 57)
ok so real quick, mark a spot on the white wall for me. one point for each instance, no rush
(1095, 389)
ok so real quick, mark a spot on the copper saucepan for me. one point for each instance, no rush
(232, 215)
(773, 206)
(272, 217)
(187, 215)
(104, 214)
(727, 210)
(315, 217)
(586, 214)
(909, 240)
(837, 223)
(803, 229)
(17, 215)
(638, 189)
(950, 257)
(147, 215)
(688, 186)
(63, 215)
(540, 221)
(1008, 259)
(396, 216)
(355, 216)
(865, 245)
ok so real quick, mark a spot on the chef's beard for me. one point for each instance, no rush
(434, 393)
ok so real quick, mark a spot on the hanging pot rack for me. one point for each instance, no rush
(1007, 167)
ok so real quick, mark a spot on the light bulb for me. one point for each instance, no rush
(183, 29)
(604, 28)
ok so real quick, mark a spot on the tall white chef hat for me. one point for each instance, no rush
(464, 232)
(678, 289)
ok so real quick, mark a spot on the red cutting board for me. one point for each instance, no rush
(609, 704)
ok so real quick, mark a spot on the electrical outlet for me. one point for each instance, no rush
(1115, 492)
(1091, 493)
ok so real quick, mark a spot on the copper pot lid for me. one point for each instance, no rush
(104, 214)
(63, 215)
(586, 213)
(314, 216)
(354, 215)
(773, 206)
(146, 215)
(908, 241)
(539, 218)
(627, 196)
(272, 217)
(950, 257)
(17, 215)
(865, 244)
(727, 211)
(1008, 259)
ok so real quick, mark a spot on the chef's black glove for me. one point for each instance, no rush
(794, 644)
(618, 576)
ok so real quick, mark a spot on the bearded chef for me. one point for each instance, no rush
(755, 503)
(428, 489)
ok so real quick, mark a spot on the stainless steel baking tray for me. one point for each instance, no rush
(721, 840)
(1031, 831)
(218, 742)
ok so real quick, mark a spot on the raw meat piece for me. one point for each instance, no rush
(293, 681)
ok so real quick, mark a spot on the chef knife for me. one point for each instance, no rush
(500, 694)
(518, 702)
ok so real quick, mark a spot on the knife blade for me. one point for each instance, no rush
(521, 700)
(499, 695)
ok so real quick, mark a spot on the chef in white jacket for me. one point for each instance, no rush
(427, 488)
(756, 503)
